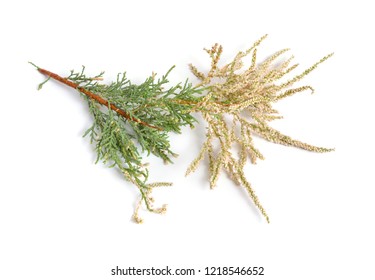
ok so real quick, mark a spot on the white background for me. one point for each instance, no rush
(62, 217)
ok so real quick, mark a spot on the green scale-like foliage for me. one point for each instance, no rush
(119, 141)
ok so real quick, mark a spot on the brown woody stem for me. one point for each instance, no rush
(95, 97)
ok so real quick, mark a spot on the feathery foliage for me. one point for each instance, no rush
(150, 111)
(237, 105)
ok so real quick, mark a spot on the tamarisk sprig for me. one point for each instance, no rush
(238, 105)
(130, 119)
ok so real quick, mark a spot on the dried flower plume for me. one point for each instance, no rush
(238, 105)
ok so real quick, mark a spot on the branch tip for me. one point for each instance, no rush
(37, 67)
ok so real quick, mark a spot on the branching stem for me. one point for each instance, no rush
(95, 97)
